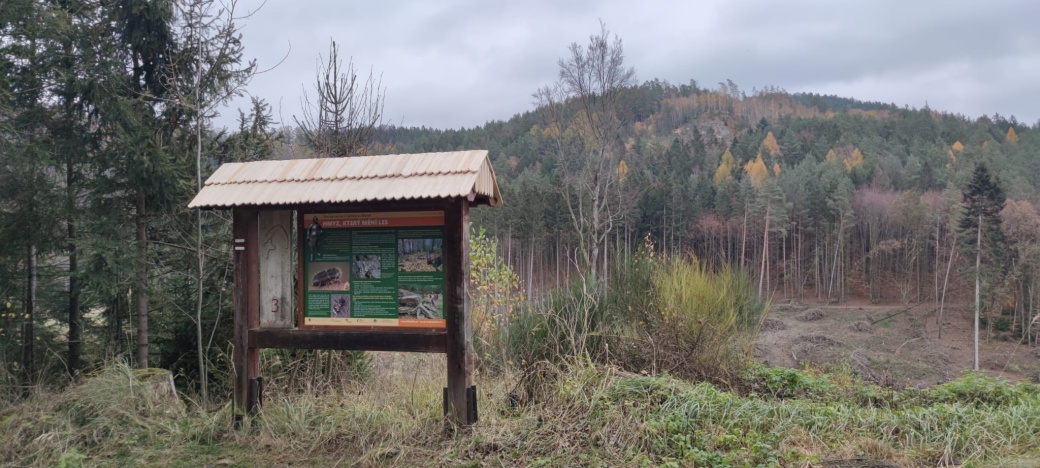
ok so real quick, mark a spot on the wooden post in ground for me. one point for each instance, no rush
(246, 308)
(459, 330)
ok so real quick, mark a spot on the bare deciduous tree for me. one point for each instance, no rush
(585, 117)
(208, 74)
(347, 113)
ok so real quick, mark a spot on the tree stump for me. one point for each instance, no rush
(158, 391)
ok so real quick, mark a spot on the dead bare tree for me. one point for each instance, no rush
(584, 110)
(347, 112)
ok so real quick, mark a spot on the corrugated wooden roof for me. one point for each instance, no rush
(457, 174)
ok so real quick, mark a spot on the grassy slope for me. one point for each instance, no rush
(586, 415)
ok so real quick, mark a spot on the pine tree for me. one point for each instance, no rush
(74, 145)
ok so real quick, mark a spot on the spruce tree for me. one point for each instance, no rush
(29, 190)
(980, 228)
(141, 126)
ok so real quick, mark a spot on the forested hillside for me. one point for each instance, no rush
(821, 197)
(656, 240)
(106, 133)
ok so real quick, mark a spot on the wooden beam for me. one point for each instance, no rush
(246, 298)
(456, 310)
(354, 340)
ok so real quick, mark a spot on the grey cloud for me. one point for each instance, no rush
(463, 62)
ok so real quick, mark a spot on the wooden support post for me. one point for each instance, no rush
(246, 308)
(457, 317)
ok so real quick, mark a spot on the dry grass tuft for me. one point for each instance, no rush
(810, 315)
(862, 326)
(771, 324)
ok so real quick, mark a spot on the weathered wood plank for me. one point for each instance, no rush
(276, 269)
(354, 340)
(457, 316)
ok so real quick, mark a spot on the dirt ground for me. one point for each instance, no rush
(902, 350)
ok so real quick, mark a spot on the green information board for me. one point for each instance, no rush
(372, 269)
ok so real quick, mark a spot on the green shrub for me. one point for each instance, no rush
(839, 384)
(978, 389)
(647, 315)
(494, 293)
(710, 318)
(687, 423)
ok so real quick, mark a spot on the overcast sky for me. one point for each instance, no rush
(461, 63)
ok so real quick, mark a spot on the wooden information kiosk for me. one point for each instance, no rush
(380, 263)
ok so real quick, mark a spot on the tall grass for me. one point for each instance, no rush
(309, 371)
(570, 323)
(700, 423)
(111, 418)
(118, 407)
(585, 414)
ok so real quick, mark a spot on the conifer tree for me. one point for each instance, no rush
(141, 127)
(724, 173)
(771, 146)
(347, 112)
(1012, 136)
(980, 227)
(29, 190)
(74, 145)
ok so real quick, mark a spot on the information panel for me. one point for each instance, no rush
(373, 269)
